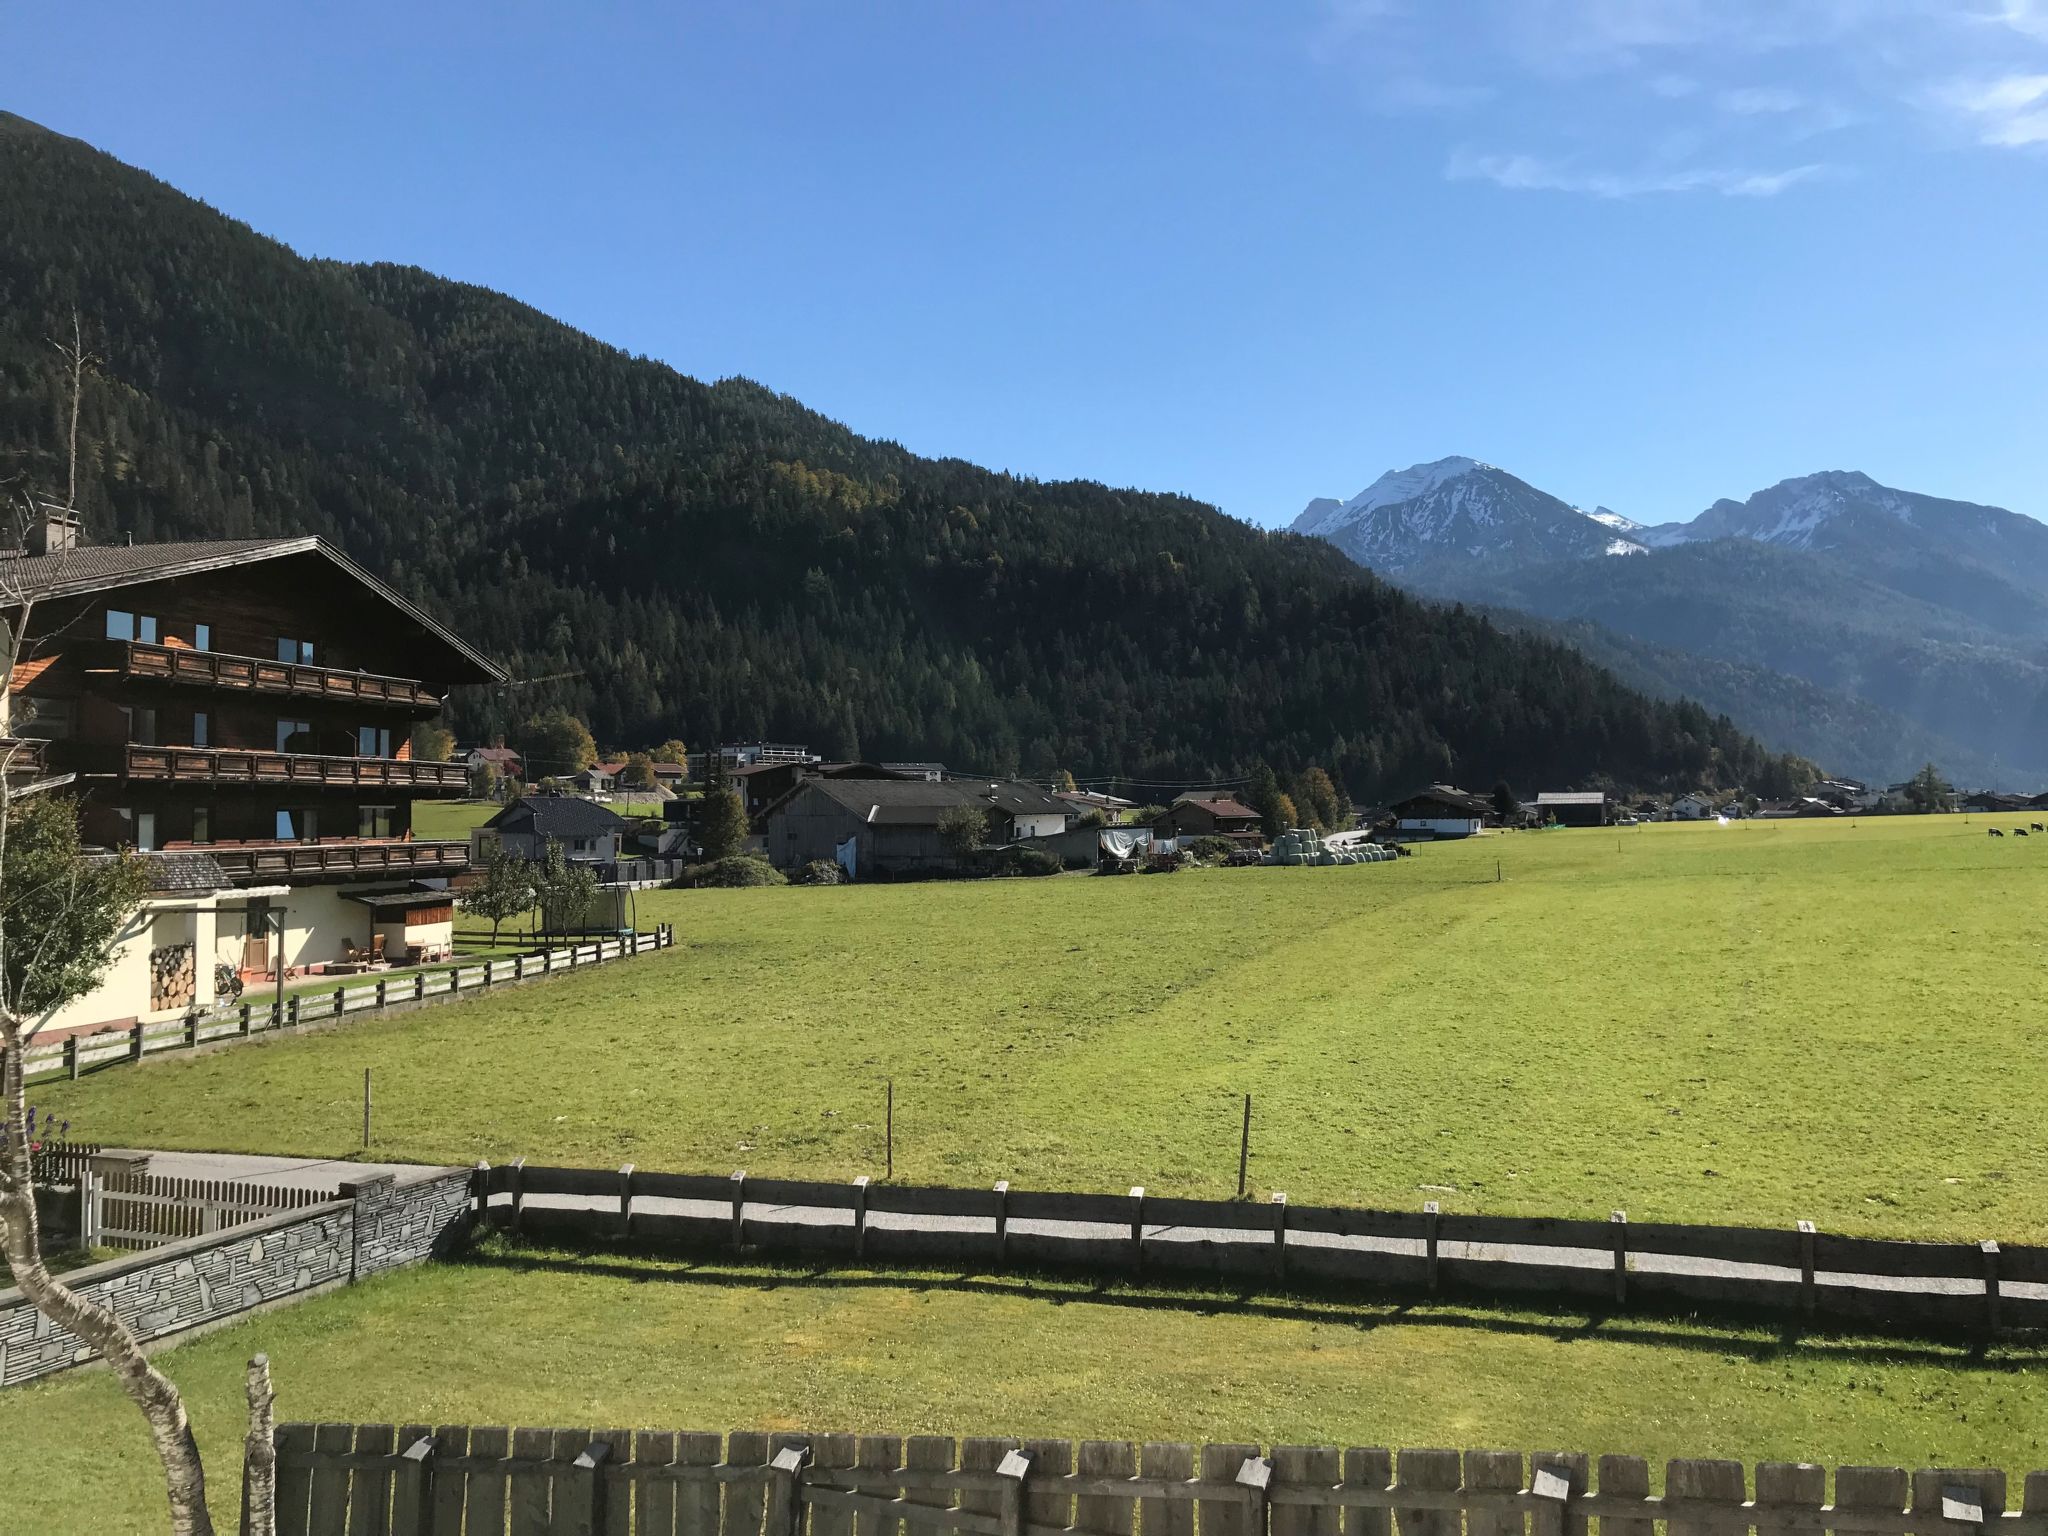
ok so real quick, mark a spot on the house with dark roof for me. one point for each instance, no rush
(1439, 810)
(1208, 816)
(588, 832)
(890, 827)
(248, 700)
(502, 759)
(1575, 807)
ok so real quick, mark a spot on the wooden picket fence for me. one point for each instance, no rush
(417, 1480)
(146, 1210)
(77, 1054)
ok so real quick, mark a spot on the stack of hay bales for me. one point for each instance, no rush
(1305, 846)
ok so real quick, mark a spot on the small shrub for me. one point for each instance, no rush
(1211, 850)
(733, 872)
(821, 872)
(1028, 861)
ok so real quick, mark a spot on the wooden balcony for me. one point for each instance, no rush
(23, 756)
(229, 765)
(343, 859)
(134, 660)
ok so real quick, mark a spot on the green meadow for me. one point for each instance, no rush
(1754, 1023)
(547, 1338)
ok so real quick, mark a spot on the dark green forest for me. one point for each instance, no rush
(716, 561)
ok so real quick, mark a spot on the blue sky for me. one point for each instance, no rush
(1643, 253)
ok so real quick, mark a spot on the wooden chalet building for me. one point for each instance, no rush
(249, 700)
(1209, 816)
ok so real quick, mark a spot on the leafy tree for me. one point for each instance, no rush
(638, 772)
(1319, 799)
(963, 829)
(1927, 791)
(1065, 782)
(1285, 809)
(432, 742)
(564, 888)
(673, 751)
(557, 743)
(505, 891)
(1505, 805)
(721, 824)
(484, 779)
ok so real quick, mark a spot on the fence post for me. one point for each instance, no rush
(860, 1216)
(1806, 1295)
(454, 979)
(1618, 1220)
(1431, 1214)
(295, 1010)
(381, 984)
(573, 948)
(135, 1041)
(1255, 1476)
(245, 1018)
(1002, 1221)
(337, 1000)
(1138, 1227)
(487, 973)
(71, 1056)
(518, 1192)
(88, 1208)
(1014, 1466)
(519, 967)
(191, 1030)
(547, 962)
(1279, 1234)
(481, 1200)
(415, 1486)
(591, 1461)
(739, 1209)
(625, 1200)
(419, 985)
(786, 1504)
(1990, 1251)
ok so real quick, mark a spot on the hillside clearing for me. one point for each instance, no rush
(1756, 1023)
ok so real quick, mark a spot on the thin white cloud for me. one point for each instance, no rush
(1532, 173)
(2029, 18)
(1759, 101)
(2010, 111)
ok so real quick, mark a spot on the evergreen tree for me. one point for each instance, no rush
(721, 822)
(1263, 795)
(1505, 805)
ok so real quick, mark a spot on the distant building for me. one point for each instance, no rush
(891, 826)
(1084, 800)
(765, 783)
(502, 759)
(1799, 807)
(1693, 806)
(1205, 817)
(931, 773)
(587, 832)
(735, 755)
(1440, 811)
(1575, 807)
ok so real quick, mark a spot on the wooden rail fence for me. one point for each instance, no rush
(136, 1211)
(418, 1480)
(1983, 1288)
(77, 1054)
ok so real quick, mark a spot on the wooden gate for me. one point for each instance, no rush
(416, 1480)
(135, 1211)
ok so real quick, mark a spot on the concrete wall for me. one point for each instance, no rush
(378, 1225)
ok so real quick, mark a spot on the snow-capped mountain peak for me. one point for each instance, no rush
(1460, 508)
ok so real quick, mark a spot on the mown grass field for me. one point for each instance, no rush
(1758, 1023)
(556, 1339)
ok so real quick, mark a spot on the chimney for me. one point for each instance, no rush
(56, 533)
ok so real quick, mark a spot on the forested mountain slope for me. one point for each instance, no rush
(717, 561)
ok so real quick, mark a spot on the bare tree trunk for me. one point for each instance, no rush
(148, 1388)
(259, 1456)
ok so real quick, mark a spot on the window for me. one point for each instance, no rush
(202, 637)
(294, 826)
(145, 628)
(373, 741)
(120, 624)
(376, 820)
(202, 824)
(289, 649)
(202, 728)
(294, 735)
(45, 719)
(145, 830)
(141, 724)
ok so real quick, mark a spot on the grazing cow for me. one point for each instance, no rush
(2019, 831)
(2037, 826)
(1993, 832)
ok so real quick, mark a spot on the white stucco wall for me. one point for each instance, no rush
(1459, 826)
(123, 993)
(1042, 825)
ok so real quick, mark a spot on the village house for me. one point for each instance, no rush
(1694, 805)
(1208, 816)
(501, 759)
(1799, 807)
(250, 702)
(1113, 807)
(1440, 810)
(587, 832)
(1575, 808)
(891, 826)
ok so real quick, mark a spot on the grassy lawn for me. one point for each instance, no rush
(550, 1339)
(1845, 1022)
(441, 820)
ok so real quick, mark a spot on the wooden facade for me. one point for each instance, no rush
(256, 700)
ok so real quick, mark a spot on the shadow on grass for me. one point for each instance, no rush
(1759, 1342)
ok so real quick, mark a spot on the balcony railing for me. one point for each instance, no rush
(135, 659)
(299, 861)
(231, 765)
(23, 756)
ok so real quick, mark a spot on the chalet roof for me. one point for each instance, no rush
(412, 899)
(491, 754)
(1445, 795)
(181, 874)
(1224, 810)
(919, 801)
(556, 816)
(96, 568)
